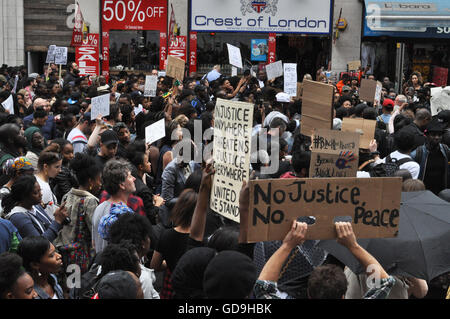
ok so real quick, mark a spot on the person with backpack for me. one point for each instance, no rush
(433, 158)
(399, 159)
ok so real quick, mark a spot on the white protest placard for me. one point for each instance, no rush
(51, 54)
(274, 70)
(440, 99)
(378, 92)
(61, 55)
(231, 152)
(8, 104)
(155, 131)
(100, 105)
(16, 80)
(290, 78)
(234, 54)
(151, 82)
(233, 71)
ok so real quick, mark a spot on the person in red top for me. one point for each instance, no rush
(345, 81)
(134, 202)
(300, 163)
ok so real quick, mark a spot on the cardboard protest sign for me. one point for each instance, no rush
(372, 204)
(354, 65)
(440, 99)
(334, 154)
(175, 68)
(231, 152)
(100, 105)
(368, 90)
(151, 83)
(366, 128)
(234, 55)
(274, 70)
(51, 54)
(8, 104)
(155, 131)
(317, 106)
(61, 55)
(290, 78)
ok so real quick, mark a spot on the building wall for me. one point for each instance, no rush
(181, 9)
(348, 46)
(11, 32)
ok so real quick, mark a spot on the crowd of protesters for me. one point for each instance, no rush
(135, 217)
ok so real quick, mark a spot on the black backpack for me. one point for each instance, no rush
(388, 168)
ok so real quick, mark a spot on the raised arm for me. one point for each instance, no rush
(296, 236)
(346, 237)
(199, 217)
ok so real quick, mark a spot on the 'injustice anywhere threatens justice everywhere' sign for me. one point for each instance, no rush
(233, 122)
(373, 204)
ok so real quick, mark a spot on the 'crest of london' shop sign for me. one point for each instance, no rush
(287, 16)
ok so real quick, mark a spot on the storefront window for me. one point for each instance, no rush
(310, 53)
(212, 49)
(134, 50)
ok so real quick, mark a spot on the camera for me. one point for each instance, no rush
(66, 221)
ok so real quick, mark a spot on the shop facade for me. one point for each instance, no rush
(265, 31)
(405, 37)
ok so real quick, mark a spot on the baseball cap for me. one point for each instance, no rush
(444, 116)
(118, 284)
(283, 97)
(388, 102)
(109, 137)
(346, 88)
(33, 75)
(74, 98)
(435, 126)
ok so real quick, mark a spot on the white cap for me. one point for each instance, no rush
(283, 97)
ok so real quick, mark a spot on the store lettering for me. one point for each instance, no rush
(305, 23)
(441, 30)
(202, 20)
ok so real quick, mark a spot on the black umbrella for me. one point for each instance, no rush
(422, 248)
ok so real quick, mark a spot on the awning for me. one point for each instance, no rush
(409, 15)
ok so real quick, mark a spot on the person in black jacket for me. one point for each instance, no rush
(66, 179)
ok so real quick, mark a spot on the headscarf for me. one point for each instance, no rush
(29, 132)
(12, 166)
(109, 219)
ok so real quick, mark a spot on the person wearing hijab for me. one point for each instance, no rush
(35, 144)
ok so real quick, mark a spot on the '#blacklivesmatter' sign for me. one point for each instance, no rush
(286, 16)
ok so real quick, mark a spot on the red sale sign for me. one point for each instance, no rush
(193, 52)
(272, 48)
(177, 47)
(133, 15)
(87, 55)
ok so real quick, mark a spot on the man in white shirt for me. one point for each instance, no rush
(79, 135)
(404, 140)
